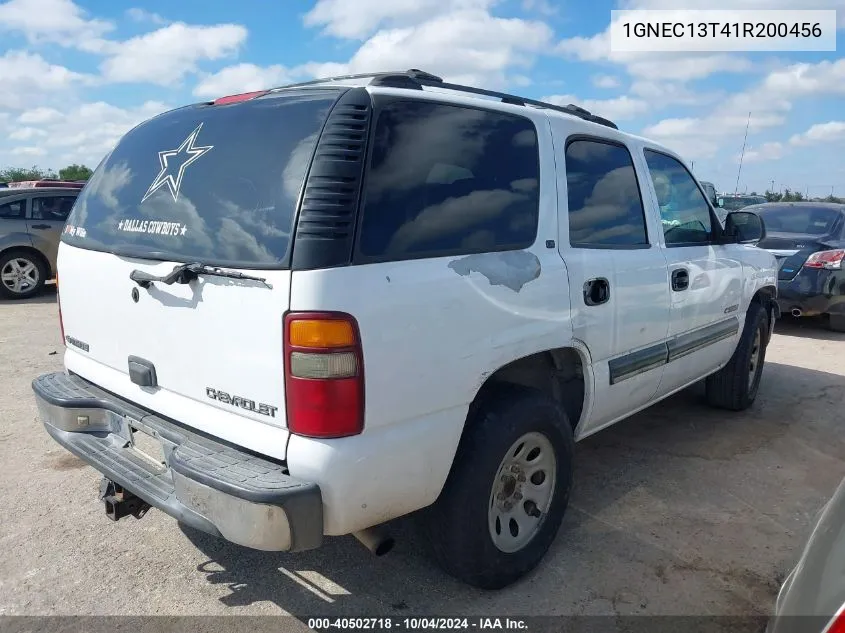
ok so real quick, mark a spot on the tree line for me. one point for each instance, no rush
(71, 172)
(796, 196)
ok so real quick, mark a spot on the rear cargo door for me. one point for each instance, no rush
(216, 184)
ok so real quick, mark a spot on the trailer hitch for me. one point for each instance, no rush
(120, 502)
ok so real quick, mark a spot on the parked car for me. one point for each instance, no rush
(48, 183)
(710, 190)
(310, 310)
(31, 223)
(812, 598)
(736, 202)
(808, 238)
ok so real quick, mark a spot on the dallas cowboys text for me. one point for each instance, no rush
(154, 227)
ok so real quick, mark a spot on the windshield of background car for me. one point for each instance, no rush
(216, 184)
(803, 219)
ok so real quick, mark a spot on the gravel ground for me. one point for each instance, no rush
(679, 510)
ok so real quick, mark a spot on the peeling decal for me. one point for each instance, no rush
(512, 269)
(176, 161)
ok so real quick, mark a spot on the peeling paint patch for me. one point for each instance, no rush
(512, 269)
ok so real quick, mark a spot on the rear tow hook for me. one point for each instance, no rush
(120, 502)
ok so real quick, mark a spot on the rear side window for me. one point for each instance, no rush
(56, 208)
(446, 180)
(215, 184)
(12, 210)
(605, 206)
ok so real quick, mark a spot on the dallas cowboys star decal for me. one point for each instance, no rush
(176, 161)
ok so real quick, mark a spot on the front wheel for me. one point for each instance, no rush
(735, 386)
(507, 492)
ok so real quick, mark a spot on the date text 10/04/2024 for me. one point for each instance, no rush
(417, 623)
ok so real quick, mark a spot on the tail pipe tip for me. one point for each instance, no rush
(796, 312)
(376, 539)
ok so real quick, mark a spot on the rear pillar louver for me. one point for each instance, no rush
(326, 223)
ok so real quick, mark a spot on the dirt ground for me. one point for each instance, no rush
(680, 510)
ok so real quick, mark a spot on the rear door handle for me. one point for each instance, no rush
(680, 279)
(596, 291)
(41, 226)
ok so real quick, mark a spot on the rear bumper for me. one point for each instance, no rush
(813, 292)
(214, 487)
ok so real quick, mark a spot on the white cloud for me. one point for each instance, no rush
(83, 133)
(25, 133)
(142, 15)
(28, 151)
(26, 77)
(40, 115)
(241, 78)
(617, 109)
(766, 151)
(467, 46)
(165, 56)
(357, 19)
(56, 21)
(829, 132)
(606, 81)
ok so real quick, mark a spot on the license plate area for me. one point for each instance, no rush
(147, 447)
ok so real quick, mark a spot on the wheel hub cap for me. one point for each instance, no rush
(522, 492)
(19, 275)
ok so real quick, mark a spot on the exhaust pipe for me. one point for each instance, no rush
(376, 539)
(796, 312)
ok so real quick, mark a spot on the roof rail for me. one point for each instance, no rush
(415, 79)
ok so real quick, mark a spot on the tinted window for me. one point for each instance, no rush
(55, 208)
(217, 184)
(449, 180)
(12, 210)
(809, 220)
(684, 210)
(605, 206)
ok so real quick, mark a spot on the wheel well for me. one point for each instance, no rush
(557, 372)
(35, 253)
(766, 296)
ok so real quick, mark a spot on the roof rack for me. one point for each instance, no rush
(415, 79)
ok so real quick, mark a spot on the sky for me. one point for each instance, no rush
(75, 76)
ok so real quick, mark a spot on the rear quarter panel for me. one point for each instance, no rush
(433, 330)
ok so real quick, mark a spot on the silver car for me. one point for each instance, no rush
(813, 596)
(31, 223)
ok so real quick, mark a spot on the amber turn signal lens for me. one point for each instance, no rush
(321, 334)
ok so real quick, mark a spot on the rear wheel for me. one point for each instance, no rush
(735, 386)
(22, 274)
(836, 322)
(507, 492)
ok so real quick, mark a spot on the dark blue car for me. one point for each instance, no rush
(808, 239)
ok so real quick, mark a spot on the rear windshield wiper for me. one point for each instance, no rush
(186, 273)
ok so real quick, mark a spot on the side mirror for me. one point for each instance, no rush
(744, 227)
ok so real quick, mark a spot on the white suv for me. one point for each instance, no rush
(307, 311)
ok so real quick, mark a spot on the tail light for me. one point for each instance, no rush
(244, 96)
(59, 303)
(324, 374)
(830, 260)
(837, 623)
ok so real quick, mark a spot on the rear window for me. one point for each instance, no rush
(446, 180)
(807, 220)
(217, 184)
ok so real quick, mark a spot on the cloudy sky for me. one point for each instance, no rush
(77, 75)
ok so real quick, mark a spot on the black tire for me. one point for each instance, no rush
(457, 527)
(836, 322)
(731, 387)
(22, 255)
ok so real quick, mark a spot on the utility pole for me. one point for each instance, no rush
(773, 186)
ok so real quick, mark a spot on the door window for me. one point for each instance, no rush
(684, 211)
(605, 206)
(55, 208)
(12, 210)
